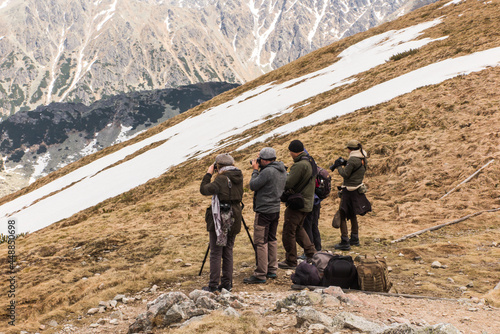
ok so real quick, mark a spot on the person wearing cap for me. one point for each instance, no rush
(267, 182)
(354, 202)
(223, 219)
(300, 179)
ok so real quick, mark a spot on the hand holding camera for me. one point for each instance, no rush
(255, 163)
(339, 162)
(212, 168)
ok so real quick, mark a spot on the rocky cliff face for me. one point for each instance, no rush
(82, 50)
(35, 143)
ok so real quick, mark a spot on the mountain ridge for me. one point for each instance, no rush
(74, 51)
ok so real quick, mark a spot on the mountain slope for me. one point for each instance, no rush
(424, 136)
(37, 142)
(82, 51)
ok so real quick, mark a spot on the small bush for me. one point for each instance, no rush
(401, 55)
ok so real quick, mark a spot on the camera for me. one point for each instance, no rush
(258, 161)
(215, 167)
(339, 162)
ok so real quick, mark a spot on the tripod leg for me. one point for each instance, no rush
(204, 260)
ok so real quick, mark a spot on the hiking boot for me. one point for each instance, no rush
(253, 280)
(285, 265)
(210, 288)
(225, 286)
(354, 242)
(345, 246)
(271, 275)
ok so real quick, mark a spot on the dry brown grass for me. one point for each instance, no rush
(421, 145)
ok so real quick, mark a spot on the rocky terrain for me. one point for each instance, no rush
(36, 142)
(82, 51)
(275, 308)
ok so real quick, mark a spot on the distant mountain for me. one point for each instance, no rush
(35, 143)
(85, 50)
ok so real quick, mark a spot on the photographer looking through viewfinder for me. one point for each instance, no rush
(223, 218)
(353, 200)
(267, 182)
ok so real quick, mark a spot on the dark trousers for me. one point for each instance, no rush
(293, 234)
(344, 232)
(266, 245)
(311, 226)
(218, 254)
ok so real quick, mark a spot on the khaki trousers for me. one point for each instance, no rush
(266, 245)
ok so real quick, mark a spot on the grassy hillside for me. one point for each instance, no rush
(421, 146)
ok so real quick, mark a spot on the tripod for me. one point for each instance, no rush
(249, 236)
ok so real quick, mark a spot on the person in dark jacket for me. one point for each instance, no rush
(300, 179)
(223, 219)
(268, 184)
(354, 201)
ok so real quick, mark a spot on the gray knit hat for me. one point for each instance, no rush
(267, 153)
(224, 159)
(352, 144)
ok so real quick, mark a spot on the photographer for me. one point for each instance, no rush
(300, 184)
(223, 218)
(353, 199)
(268, 184)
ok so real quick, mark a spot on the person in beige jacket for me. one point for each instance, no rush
(354, 202)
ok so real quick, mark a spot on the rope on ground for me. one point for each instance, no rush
(468, 179)
(414, 234)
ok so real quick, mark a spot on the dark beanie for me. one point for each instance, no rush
(296, 146)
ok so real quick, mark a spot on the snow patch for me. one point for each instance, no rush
(4, 4)
(454, 2)
(39, 166)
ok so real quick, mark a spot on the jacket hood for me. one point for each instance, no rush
(279, 165)
(235, 175)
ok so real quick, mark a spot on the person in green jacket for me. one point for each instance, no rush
(223, 218)
(300, 179)
(354, 201)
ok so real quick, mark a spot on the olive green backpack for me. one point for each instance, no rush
(372, 273)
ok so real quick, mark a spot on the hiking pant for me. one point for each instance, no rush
(344, 232)
(293, 233)
(218, 254)
(266, 244)
(311, 226)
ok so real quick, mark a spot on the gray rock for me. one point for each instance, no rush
(173, 315)
(195, 294)
(303, 298)
(53, 323)
(231, 312)
(399, 329)
(113, 303)
(119, 298)
(142, 323)
(470, 285)
(101, 321)
(190, 310)
(94, 325)
(207, 303)
(318, 329)
(93, 310)
(351, 321)
(308, 315)
(436, 264)
(154, 289)
(190, 321)
(104, 304)
(114, 322)
(442, 328)
(158, 308)
(116, 315)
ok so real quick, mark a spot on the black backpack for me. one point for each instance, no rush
(323, 183)
(306, 274)
(340, 271)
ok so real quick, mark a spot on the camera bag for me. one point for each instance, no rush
(340, 271)
(372, 273)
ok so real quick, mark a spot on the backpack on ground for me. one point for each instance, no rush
(372, 273)
(323, 183)
(320, 260)
(341, 272)
(306, 274)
